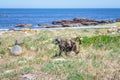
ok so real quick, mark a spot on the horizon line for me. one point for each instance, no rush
(58, 8)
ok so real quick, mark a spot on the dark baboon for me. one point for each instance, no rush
(66, 46)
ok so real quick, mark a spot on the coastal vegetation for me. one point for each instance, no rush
(98, 58)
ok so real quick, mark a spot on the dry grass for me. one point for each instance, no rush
(38, 49)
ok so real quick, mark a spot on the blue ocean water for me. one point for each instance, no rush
(11, 17)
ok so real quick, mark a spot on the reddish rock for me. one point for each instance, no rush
(89, 23)
(77, 22)
(65, 22)
(83, 20)
(20, 25)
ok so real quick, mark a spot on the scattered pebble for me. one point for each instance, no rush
(8, 71)
(29, 76)
(59, 59)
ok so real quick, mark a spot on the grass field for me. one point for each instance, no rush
(99, 57)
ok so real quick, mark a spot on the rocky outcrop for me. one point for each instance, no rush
(77, 22)
(118, 20)
(105, 21)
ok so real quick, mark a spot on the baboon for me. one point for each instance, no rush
(66, 46)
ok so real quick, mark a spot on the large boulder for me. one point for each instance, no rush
(118, 20)
(16, 50)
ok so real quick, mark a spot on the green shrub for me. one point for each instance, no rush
(27, 69)
(103, 42)
(75, 76)
(80, 76)
(62, 67)
(2, 51)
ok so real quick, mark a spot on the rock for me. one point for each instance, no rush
(33, 48)
(118, 20)
(16, 50)
(54, 27)
(72, 25)
(65, 25)
(43, 25)
(56, 22)
(18, 42)
(111, 21)
(118, 29)
(66, 22)
(29, 25)
(27, 29)
(111, 30)
(29, 76)
(20, 25)
(89, 23)
(12, 30)
(61, 22)
(105, 21)
(78, 20)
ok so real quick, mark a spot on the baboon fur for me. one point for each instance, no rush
(66, 46)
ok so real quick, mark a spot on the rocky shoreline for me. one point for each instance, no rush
(76, 22)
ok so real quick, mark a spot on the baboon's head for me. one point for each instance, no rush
(78, 39)
(57, 41)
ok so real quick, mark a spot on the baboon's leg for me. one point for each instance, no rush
(66, 53)
(75, 48)
(60, 53)
(76, 52)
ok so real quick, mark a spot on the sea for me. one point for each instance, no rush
(10, 17)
